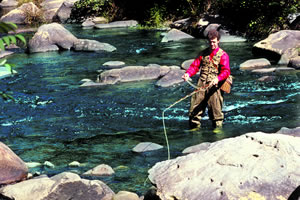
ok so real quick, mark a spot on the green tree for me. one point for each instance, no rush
(7, 38)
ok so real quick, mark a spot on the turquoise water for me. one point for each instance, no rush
(55, 120)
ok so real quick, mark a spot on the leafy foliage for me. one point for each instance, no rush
(6, 40)
(253, 17)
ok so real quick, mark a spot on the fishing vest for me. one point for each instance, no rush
(210, 68)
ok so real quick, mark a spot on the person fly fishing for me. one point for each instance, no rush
(213, 63)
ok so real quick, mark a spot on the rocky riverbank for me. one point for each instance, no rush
(254, 165)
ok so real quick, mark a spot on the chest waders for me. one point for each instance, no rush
(212, 99)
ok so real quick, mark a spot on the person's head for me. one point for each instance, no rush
(213, 37)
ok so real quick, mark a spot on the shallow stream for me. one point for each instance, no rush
(56, 120)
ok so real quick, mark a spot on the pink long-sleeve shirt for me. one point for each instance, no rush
(224, 62)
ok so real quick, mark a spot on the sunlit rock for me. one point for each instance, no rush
(74, 164)
(175, 35)
(146, 146)
(264, 70)
(49, 164)
(255, 63)
(51, 37)
(62, 186)
(118, 24)
(100, 170)
(280, 46)
(114, 64)
(92, 45)
(12, 168)
(18, 15)
(8, 3)
(125, 195)
(50, 8)
(33, 164)
(232, 169)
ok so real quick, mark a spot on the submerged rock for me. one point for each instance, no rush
(100, 170)
(146, 146)
(12, 168)
(254, 164)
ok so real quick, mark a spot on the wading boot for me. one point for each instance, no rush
(218, 127)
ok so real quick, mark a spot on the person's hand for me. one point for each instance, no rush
(185, 77)
(215, 82)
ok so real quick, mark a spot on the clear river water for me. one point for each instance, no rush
(53, 119)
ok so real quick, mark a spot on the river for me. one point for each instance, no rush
(55, 120)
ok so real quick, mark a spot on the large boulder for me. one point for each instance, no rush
(51, 37)
(265, 166)
(133, 73)
(18, 15)
(12, 168)
(62, 186)
(174, 77)
(50, 8)
(175, 35)
(279, 47)
(64, 12)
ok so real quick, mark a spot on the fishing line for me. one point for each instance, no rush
(176, 102)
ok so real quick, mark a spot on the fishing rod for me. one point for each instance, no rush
(198, 89)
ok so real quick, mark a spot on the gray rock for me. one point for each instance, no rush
(50, 8)
(8, 3)
(5, 53)
(92, 45)
(292, 132)
(132, 73)
(62, 186)
(125, 195)
(255, 63)
(118, 24)
(211, 27)
(285, 69)
(186, 64)
(12, 168)
(88, 23)
(265, 70)
(100, 170)
(172, 78)
(146, 146)
(51, 37)
(18, 15)
(280, 46)
(295, 62)
(114, 64)
(260, 165)
(64, 11)
(175, 35)
(266, 78)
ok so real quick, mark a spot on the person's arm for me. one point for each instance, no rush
(193, 69)
(225, 68)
